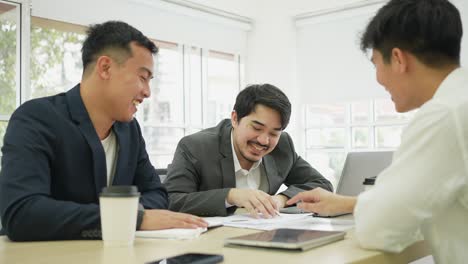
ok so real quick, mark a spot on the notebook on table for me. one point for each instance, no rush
(284, 238)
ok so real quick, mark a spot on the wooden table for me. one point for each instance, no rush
(146, 250)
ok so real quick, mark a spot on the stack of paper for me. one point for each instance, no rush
(173, 233)
(301, 221)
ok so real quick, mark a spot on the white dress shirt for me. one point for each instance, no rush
(424, 193)
(246, 179)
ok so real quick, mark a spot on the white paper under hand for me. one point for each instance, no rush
(173, 233)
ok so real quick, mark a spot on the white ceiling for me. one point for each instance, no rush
(256, 9)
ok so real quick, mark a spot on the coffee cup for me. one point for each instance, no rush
(119, 208)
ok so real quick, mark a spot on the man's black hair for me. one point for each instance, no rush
(263, 94)
(113, 36)
(430, 29)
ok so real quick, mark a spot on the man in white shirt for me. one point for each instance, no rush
(424, 193)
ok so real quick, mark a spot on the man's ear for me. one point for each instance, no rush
(399, 60)
(103, 65)
(234, 122)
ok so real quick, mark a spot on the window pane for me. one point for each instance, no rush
(360, 113)
(385, 112)
(166, 104)
(161, 141)
(56, 64)
(326, 137)
(195, 99)
(3, 127)
(9, 57)
(388, 136)
(360, 137)
(329, 164)
(161, 161)
(192, 130)
(326, 115)
(222, 86)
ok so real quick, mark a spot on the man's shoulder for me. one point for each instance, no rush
(285, 142)
(43, 107)
(209, 135)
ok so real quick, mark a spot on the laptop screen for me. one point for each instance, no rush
(361, 165)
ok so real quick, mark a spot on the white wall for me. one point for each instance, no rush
(271, 52)
(269, 48)
(271, 43)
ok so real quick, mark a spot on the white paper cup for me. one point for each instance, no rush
(119, 208)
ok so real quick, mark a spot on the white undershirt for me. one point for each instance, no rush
(109, 144)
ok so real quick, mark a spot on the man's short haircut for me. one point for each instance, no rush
(263, 94)
(113, 38)
(430, 29)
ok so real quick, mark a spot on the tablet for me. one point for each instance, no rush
(284, 238)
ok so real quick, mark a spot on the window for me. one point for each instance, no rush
(163, 113)
(332, 130)
(9, 62)
(55, 56)
(223, 85)
(193, 88)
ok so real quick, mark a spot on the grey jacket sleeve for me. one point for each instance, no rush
(302, 176)
(183, 185)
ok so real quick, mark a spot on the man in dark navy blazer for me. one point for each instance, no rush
(60, 151)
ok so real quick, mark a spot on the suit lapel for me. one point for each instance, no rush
(81, 118)
(227, 163)
(271, 172)
(123, 151)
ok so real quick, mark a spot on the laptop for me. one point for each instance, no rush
(361, 165)
(284, 238)
(357, 167)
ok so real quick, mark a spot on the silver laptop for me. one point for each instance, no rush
(284, 238)
(361, 165)
(357, 167)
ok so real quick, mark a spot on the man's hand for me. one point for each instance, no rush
(163, 219)
(323, 202)
(280, 201)
(255, 201)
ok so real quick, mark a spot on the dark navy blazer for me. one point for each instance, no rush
(54, 167)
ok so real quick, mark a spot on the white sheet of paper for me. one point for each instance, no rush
(300, 221)
(172, 233)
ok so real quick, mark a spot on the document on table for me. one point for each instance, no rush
(178, 233)
(298, 221)
(172, 233)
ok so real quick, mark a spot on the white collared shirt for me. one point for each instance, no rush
(246, 179)
(424, 193)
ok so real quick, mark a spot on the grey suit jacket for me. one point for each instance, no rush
(202, 172)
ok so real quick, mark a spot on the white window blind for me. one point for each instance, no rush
(331, 67)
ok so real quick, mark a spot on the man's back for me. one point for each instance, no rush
(427, 183)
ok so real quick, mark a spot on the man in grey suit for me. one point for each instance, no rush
(206, 179)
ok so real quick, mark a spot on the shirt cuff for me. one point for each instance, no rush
(227, 205)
